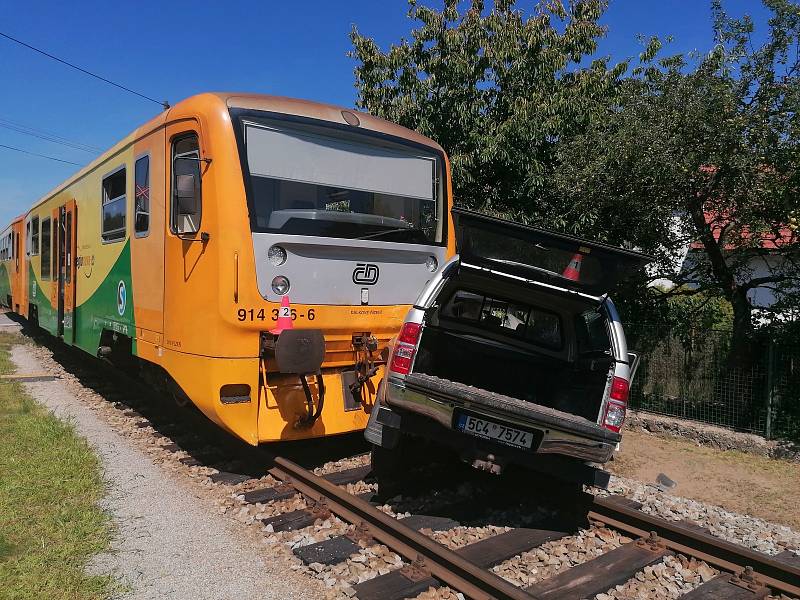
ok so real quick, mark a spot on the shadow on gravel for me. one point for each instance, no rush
(186, 426)
(517, 498)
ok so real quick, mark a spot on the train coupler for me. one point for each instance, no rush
(365, 368)
(300, 352)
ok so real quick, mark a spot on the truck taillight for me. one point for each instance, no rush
(404, 348)
(409, 333)
(619, 390)
(617, 405)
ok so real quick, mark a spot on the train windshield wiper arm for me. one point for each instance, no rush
(388, 231)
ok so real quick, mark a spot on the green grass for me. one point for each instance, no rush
(50, 483)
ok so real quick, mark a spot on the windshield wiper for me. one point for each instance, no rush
(387, 231)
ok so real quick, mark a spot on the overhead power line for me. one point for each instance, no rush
(50, 137)
(163, 103)
(69, 162)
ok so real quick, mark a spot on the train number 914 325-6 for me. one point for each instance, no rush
(252, 314)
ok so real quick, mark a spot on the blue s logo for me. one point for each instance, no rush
(122, 298)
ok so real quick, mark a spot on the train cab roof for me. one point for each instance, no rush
(324, 112)
(213, 105)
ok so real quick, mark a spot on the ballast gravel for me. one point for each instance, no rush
(169, 542)
(751, 532)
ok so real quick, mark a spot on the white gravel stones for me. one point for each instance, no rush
(351, 462)
(745, 530)
(458, 537)
(444, 593)
(553, 557)
(371, 561)
(675, 576)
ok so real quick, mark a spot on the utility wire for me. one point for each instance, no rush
(163, 103)
(69, 162)
(50, 137)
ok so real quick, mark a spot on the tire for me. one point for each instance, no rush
(395, 470)
(385, 462)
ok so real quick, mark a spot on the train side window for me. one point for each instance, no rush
(187, 199)
(114, 206)
(45, 248)
(34, 236)
(141, 219)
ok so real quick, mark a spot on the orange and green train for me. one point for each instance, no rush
(11, 280)
(252, 254)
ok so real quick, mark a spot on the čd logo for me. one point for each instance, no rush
(366, 274)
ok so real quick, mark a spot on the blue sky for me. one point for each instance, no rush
(172, 50)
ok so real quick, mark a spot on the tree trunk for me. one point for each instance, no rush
(741, 345)
(741, 351)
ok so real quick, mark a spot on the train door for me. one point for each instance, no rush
(188, 276)
(19, 286)
(147, 243)
(64, 238)
(56, 289)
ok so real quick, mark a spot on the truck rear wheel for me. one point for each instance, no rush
(394, 469)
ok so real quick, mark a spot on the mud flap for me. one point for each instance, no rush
(383, 428)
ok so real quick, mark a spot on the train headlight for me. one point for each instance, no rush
(276, 256)
(431, 263)
(280, 285)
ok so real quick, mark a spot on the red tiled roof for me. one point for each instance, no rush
(767, 240)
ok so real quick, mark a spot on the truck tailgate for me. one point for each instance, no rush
(460, 393)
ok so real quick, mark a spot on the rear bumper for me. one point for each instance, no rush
(437, 399)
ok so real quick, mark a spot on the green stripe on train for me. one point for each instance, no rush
(110, 307)
(44, 309)
(5, 283)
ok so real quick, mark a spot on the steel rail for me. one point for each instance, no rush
(695, 542)
(423, 552)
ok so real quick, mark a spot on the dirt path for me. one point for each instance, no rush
(739, 482)
(169, 542)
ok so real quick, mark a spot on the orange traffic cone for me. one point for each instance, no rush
(284, 317)
(573, 270)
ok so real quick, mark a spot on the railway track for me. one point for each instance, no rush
(744, 574)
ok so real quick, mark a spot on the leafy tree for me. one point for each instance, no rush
(496, 89)
(703, 149)
(698, 148)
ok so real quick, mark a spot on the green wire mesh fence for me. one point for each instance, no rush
(695, 377)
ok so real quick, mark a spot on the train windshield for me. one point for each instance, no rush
(316, 181)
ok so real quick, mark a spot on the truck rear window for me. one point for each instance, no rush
(536, 325)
